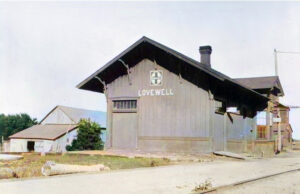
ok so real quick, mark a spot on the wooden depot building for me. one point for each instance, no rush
(159, 100)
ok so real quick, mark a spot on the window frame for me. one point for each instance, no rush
(124, 105)
(261, 132)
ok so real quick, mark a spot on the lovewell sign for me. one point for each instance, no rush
(156, 92)
(156, 79)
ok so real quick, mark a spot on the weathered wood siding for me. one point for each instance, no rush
(239, 131)
(41, 145)
(183, 122)
(218, 132)
(20, 145)
(239, 127)
(57, 117)
(185, 114)
(124, 130)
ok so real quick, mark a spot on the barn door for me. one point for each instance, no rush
(30, 146)
(124, 124)
(218, 132)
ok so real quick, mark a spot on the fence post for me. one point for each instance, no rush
(1, 144)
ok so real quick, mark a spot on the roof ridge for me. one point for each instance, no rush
(271, 76)
(79, 108)
(57, 124)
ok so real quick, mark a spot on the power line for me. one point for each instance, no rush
(275, 58)
(294, 107)
(287, 52)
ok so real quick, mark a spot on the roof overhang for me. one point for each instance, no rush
(41, 137)
(222, 86)
(263, 85)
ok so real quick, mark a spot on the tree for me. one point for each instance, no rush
(11, 124)
(88, 137)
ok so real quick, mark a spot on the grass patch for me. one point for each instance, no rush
(31, 165)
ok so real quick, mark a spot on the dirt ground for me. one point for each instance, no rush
(175, 157)
(282, 184)
(181, 178)
(30, 165)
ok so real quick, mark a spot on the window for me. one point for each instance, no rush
(124, 106)
(261, 132)
(219, 107)
(261, 118)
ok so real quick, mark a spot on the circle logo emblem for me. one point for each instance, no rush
(156, 77)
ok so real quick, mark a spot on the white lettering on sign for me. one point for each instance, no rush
(156, 92)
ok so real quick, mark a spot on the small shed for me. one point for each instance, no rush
(56, 130)
(43, 138)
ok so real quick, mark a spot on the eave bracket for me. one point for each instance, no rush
(128, 70)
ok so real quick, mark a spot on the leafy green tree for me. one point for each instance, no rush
(11, 124)
(88, 137)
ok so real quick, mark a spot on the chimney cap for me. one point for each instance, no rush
(205, 49)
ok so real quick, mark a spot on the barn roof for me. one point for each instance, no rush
(75, 114)
(46, 132)
(258, 83)
(222, 86)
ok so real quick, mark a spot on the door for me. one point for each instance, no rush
(30, 146)
(218, 132)
(124, 130)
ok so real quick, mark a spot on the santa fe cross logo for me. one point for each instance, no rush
(156, 77)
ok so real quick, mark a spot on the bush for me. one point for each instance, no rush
(88, 137)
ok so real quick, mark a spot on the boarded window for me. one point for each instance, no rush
(219, 107)
(124, 105)
(261, 132)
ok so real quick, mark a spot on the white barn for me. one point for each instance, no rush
(55, 131)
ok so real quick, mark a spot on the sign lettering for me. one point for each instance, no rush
(156, 92)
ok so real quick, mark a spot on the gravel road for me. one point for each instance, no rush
(282, 184)
(167, 179)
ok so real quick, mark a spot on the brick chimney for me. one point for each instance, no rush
(205, 52)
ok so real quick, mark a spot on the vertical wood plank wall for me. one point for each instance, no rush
(57, 116)
(178, 123)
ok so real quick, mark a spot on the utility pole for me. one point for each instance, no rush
(276, 63)
(278, 110)
(275, 58)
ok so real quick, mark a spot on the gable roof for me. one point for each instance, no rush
(143, 42)
(75, 114)
(283, 107)
(46, 132)
(258, 83)
(221, 85)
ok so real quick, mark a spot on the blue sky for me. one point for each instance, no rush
(47, 48)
